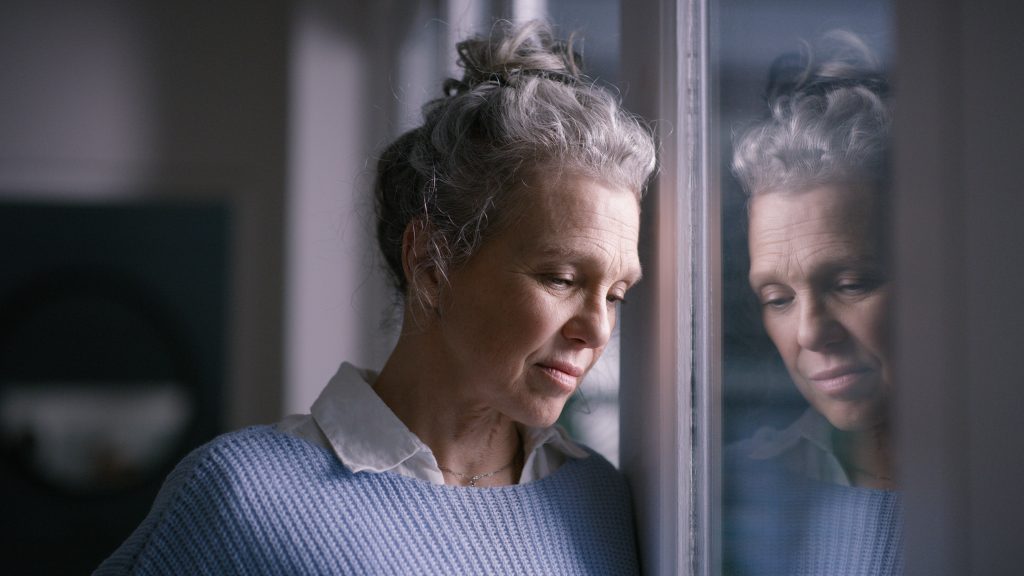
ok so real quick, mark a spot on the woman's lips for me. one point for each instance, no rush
(837, 380)
(563, 373)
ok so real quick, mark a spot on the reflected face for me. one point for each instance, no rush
(530, 313)
(816, 266)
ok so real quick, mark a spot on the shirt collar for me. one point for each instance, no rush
(805, 445)
(363, 432)
(367, 436)
(815, 428)
(810, 427)
(554, 436)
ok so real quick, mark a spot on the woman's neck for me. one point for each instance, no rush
(866, 457)
(467, 438)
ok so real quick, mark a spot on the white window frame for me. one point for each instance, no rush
(670, 332)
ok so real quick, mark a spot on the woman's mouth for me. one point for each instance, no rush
(838, 380)
(566, 375)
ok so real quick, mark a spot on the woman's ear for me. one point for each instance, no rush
(418, 264)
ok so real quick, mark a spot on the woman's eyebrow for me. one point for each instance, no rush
(759, 277)
(575, 255)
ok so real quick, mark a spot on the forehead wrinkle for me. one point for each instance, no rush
(815, 232)
(587, 252)
(590, 219)
(811, 254)
(586, 221)
(589, 227)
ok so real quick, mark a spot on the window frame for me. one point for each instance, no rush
(671, 335)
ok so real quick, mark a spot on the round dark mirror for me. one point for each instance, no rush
(94, 388)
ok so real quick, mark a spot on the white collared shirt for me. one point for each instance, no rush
(353, 422)
(804, 447)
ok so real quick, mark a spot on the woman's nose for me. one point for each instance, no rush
(591, 325)
(818, 327)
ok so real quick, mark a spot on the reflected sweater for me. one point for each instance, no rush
(778, 523)
(259, 501)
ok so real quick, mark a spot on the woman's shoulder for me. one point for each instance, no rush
(596, 463)
(233, 465)
(221, 496)
(590, 477)
(586, 461)
(256, 443)
(248, 451)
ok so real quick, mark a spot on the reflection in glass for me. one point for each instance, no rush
(817, 494)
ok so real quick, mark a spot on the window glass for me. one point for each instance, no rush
(802, 116)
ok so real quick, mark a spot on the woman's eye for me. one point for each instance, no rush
(853, 287)
(776, 302)
(560, 281)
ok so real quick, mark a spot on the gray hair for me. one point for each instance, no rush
(829, 120)
(521, 110)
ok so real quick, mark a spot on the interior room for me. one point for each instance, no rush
(189, 248)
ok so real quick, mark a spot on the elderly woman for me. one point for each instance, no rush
(509, 223)
(816, 172)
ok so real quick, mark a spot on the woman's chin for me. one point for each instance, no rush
(542, 416)
(853, 419)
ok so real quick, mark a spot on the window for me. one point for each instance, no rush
(708, 377)
(807, 481)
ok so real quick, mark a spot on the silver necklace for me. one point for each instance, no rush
(477, 477)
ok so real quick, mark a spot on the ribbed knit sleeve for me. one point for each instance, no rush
(261, 502)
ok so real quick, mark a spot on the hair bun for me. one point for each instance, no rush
(828, 120)
(840, 59)
(511, 54)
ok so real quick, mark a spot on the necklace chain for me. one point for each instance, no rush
(477, 477)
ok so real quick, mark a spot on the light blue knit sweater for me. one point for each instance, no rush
(259, 501)
(778, 524)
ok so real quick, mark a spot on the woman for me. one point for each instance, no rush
(816, 172)
(509, 222)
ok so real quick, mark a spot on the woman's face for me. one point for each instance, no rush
(530, 313)
(817, 268)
